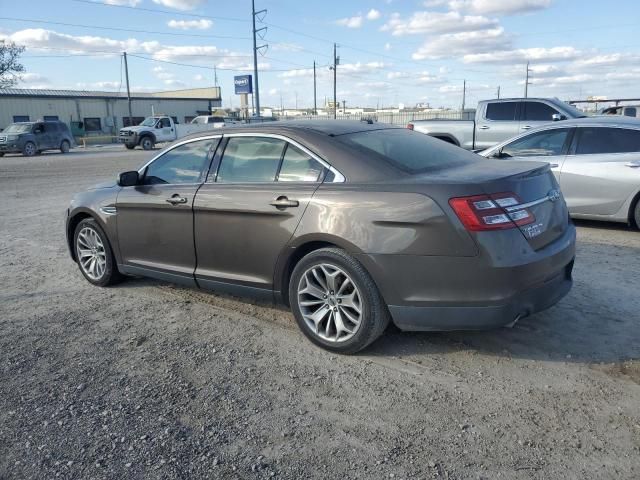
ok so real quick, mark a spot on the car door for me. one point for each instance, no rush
(535, 113)
(41, 136)
(496, 124)
(248, 210)
(550, 145)
(155, 218)
(164, 130)
(601, 170)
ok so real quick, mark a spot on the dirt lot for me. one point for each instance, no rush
(148, 380)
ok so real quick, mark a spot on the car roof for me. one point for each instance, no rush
(597, 121)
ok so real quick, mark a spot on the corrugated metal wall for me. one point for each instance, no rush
(68, 109)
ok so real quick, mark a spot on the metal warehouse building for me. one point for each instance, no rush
(103, 113)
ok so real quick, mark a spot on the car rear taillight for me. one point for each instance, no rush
(497, 211)
(410, 126)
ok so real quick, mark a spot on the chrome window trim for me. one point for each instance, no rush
(338, 177)
(184, 142)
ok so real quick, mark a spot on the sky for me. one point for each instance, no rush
(391, 51)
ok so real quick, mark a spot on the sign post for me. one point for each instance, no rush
(243, 86)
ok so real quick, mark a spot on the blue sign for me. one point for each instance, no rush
(243, 84)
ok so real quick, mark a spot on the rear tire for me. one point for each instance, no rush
(146, 143)
(335, 301)
(29, 149)
(636, 214)
(65, 146)
(1, 154)
(94, 255)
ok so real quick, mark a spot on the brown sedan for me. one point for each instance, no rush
(352, 225)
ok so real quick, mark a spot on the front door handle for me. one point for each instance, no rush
(633, 164)
(526, 127)
(283, 202)
(176, 199)
(484, 127)
(553, 165)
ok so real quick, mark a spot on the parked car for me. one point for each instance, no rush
(496, 121)
(624, 110)
(596, 161)
(212, 121)
(31, 138)
(351, 224)
(158, 129)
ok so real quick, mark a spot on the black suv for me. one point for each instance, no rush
(30, 138)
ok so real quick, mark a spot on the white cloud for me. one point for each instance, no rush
(202, 24)
(172, 82)
(130, 3)
(32, 78)
(395, 75)
(198, 77)
(387, 47)
(350, 22)
(180, 4)
(463, 44)
(499, 7)
(285, 47)
(436, 22)
(357, 68)
(522, 55)
(373, 14)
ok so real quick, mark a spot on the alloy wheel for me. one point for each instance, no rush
(330, 303)
(91, 253)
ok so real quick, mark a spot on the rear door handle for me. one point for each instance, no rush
(176, 199)
(484, 127)
(553, 165)
(633, 164)
(283, 202)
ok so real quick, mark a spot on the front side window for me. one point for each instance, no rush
(537, 112)
(183, 164)
(501, 111)
(607, 140)
(297, 166)
(541, 144)
(50, 127)
(250, 160)
(164, 123)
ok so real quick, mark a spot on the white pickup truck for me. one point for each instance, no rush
(496, 121)
(158, 129)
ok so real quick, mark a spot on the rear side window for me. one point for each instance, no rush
(630, 112)
(607, 140)
(537, 111)
(50, 127)
(250, 160)
(183, 164)
(297, 166)
(410, 151)
(501, 111)
(547, 143)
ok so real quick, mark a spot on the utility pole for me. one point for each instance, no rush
(464, 94)
(344, 106)
(126, 74)
(526, 82)
(334, 67)
(315, 106)
(256, 86)
(215, 76)
(498, 96)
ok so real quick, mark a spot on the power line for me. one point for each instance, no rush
(212, 68)
(117, 29)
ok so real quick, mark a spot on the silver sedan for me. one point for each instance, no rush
(596, 161)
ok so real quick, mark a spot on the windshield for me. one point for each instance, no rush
(149, 122)
(18, 128)
(407, 150)
(573, 111)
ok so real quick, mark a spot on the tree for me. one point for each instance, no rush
(10, 67)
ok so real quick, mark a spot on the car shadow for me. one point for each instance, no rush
(600, 225)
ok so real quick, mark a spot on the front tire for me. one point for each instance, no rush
(94, 255)
(29, 149)
(636, 214)
(65, 146)
(129, 146)
(335, 301)
(146, 143)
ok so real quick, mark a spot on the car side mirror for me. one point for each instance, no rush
(128, 179)
(556, 117)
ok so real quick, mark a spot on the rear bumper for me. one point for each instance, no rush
(443, 318)
(471, 293)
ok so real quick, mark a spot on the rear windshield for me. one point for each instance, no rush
(18, 128)
(410, 151)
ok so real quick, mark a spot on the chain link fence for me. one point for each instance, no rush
(394, 118)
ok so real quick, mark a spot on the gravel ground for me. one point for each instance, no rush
(149, 380)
